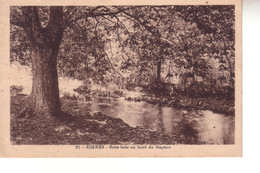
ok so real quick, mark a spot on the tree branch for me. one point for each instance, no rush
(56, 17)
(92, 13)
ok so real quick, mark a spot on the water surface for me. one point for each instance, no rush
(191, 125)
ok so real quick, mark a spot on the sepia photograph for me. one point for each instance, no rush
(111, 77)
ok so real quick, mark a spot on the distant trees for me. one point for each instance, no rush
(217, 26)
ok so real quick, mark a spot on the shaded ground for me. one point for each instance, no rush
(81, 128)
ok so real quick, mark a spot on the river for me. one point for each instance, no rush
(194, 126)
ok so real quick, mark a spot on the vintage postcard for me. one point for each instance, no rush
(121, 78)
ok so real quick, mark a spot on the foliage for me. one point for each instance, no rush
(190, 47)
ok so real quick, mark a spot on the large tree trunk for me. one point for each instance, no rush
(44, 43)
(44, 99)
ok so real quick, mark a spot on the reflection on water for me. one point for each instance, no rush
(193, 126)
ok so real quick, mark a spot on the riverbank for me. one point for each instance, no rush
(82, 128)
(215, 105)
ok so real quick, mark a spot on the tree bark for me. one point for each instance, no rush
(158, 76)
(44, 43)
(44, 98)
(231, 68)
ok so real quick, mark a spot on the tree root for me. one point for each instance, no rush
(25, 113)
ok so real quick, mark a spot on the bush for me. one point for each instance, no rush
(200, 89)
(157, 88)
(82, 90)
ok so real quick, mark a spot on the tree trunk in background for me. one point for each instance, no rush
(231, 68)
(158, 76)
